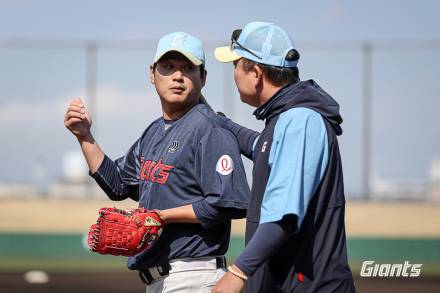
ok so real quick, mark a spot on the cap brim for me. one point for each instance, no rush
(225, 54)
(188, 55)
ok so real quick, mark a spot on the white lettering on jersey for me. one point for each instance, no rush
(263, 149)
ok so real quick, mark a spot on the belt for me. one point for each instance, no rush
(149, 275)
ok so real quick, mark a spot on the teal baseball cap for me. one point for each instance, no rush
(262, 42)
(184, 43)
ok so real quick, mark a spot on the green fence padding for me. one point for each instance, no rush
(398, 250)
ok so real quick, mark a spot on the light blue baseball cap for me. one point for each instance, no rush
(262, 42)
(185, 44)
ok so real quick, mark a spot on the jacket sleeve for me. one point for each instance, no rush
(266, 241)
(298, 160)
(246, 137)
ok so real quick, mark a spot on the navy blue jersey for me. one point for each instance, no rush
(191, 160)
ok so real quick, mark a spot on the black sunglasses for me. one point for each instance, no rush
(234, 40)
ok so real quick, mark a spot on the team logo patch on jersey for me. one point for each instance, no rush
(225, 165)
(174, 146)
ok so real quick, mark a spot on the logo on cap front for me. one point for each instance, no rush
(178, 41)
(225, 165)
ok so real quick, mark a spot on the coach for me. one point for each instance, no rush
(295, 233)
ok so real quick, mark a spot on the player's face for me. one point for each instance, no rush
(177, 80)
(246, 84)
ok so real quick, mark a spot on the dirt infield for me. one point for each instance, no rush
(129, 283)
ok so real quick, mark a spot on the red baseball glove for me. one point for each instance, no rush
(122, 232)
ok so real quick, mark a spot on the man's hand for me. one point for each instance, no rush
(229, 283)
(78, 120)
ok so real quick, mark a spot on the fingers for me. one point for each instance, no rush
(78, 101)
(69, 122)
(77, 119)
(77, 109)
(74, 114)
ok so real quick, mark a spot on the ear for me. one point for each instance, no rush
(205, 73)
(152, 79)
(257, 73)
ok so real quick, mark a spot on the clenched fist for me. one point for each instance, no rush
(78, 120)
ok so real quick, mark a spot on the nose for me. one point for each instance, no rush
(178, 74)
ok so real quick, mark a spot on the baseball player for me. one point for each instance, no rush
(184, 165)
(295, 234)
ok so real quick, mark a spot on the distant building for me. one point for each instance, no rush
(74, 167)
(400, 189)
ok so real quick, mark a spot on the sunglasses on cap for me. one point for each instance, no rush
(234, 41)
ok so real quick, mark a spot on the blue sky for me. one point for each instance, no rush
(307, 20)
(37, 84)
